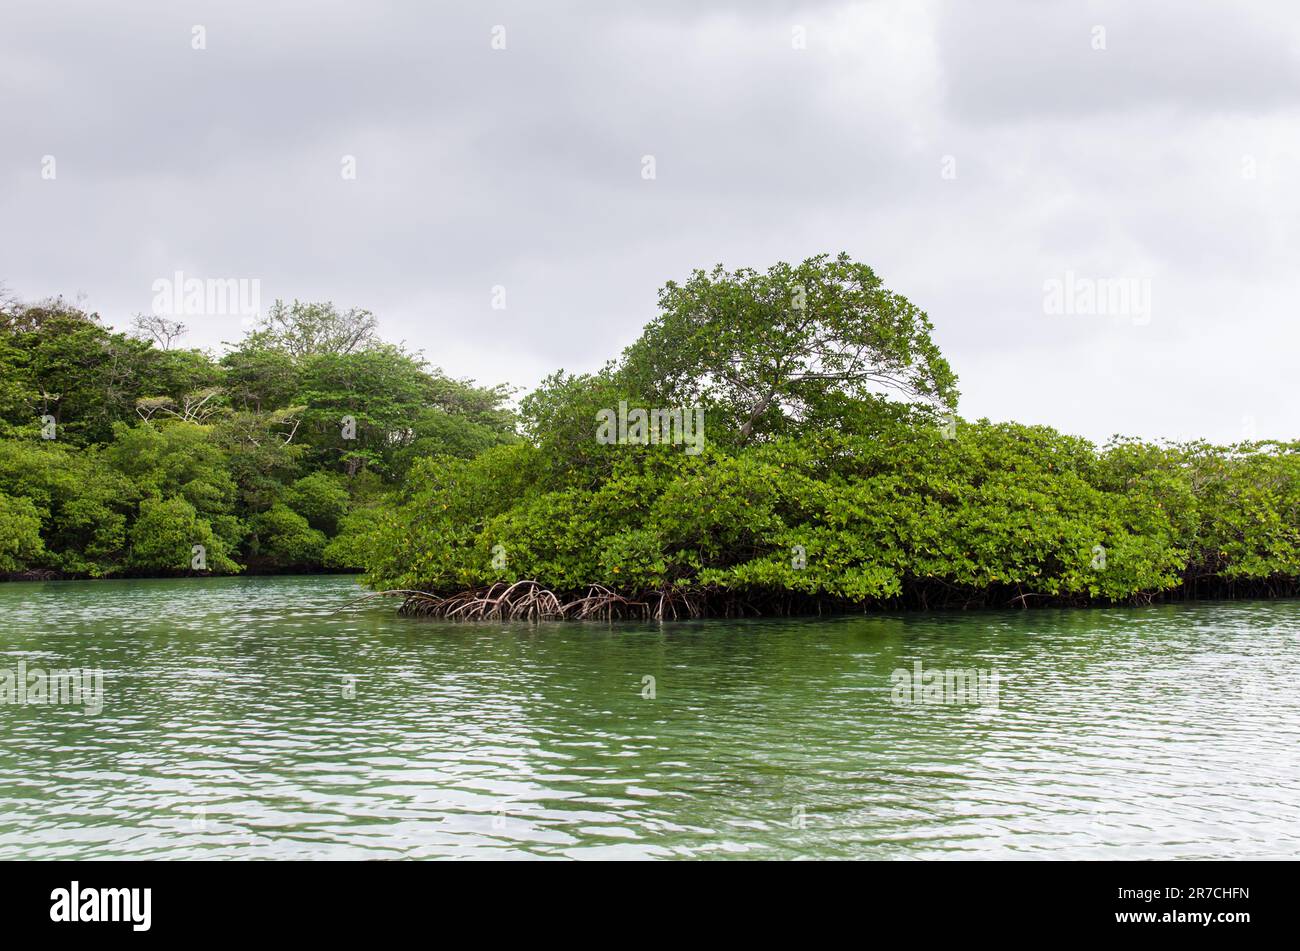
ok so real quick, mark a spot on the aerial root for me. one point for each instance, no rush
(602, 604)
(529, 601)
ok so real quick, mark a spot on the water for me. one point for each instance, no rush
(251, 718)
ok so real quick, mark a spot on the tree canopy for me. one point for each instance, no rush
(836, 473)
(833, 471)
(768, 352)
(120, 453)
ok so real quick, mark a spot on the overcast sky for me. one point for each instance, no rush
(971, 152)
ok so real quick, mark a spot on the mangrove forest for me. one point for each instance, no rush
(777, 441)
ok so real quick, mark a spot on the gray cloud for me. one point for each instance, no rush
(522, 168)
(1022, 60)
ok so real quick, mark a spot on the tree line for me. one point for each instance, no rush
(120, 452)
(834, 470)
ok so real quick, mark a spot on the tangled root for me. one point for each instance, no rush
(529, 601)
(603, 604)
(521, 601)
(673, 604)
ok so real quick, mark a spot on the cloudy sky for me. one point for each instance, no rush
(972, 153)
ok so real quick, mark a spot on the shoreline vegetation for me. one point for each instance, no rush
(528, 601)
(777, 442)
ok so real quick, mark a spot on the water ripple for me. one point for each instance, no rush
(249, 718)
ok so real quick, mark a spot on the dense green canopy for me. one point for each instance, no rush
(818, 489)
(892, 514)
(119, 454)
(832, 472)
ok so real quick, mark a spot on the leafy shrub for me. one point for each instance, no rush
(164, 536)
(20, 535)
(285, 537)
(321, 498)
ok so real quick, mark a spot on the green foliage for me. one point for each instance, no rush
(351, 549)
(313, 444)
(305, 329)
(174, 459)
(158, 450)
(286, 539)
(321, 498)
(164, 536)
(560, 418)
(767, 352)
(900, 514)
(175, 374)
(82, 503)
(1236, 509)
(435, 431)
(360, 406)
(20, 534)
(816, 485)
(259, 379)
(872, 513)
(77, 371)
(16, 393)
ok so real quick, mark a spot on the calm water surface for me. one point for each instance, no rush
(252, 718)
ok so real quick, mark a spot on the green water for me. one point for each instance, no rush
(250, 718)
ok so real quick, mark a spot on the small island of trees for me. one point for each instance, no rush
(834, 473)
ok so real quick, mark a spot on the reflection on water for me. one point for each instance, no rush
(252, 718)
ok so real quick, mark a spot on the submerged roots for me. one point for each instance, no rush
(529, 601)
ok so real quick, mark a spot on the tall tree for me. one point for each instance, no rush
(304, 329)
(770, 350)
(161, 330)
(81, 373)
